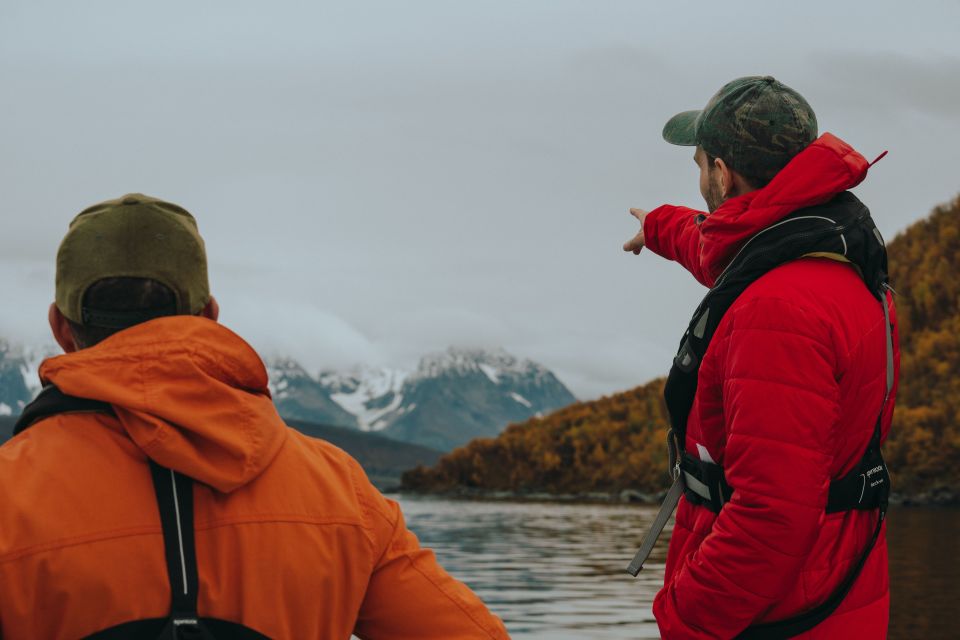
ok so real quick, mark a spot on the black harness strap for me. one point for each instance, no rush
(865, 487)
(791, 627)
(51, 401)
(174, 492)
(175, 500)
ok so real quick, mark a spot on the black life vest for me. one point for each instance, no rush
(841, 226)
(174, 493)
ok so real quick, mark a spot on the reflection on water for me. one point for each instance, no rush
(549, 570)
(557, 570)
(924, 572)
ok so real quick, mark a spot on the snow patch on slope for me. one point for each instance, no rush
(368, 393)
(519, 398)
(490, 372)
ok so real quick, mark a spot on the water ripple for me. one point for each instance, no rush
(558, 570)
(549, 570)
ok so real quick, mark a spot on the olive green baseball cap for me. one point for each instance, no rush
(135, 236)
(756, 124)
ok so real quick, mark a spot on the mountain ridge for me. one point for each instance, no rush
(461, 394)
(450, 397)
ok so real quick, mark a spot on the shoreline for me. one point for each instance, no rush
(941, 497)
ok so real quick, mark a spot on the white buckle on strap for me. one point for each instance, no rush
(693, 483)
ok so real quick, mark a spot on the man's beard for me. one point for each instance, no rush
(713, 196)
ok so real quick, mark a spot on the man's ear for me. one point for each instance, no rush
(212, 310)
(731, 183)
(61, 329)
(728, 179)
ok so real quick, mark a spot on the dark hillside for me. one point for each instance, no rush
(605, 445)
(384, 459)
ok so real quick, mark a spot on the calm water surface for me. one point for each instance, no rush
(557, 570)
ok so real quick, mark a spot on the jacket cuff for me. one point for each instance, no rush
(651, 227)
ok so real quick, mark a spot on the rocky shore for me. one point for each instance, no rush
(939, 497)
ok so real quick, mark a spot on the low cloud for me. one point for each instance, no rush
(890, 82)
(316, 338)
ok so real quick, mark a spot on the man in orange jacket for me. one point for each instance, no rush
(157, 408)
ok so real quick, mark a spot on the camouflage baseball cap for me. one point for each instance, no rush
(755, 124)
(135, 236)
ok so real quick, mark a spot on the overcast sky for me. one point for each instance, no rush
(376, 180)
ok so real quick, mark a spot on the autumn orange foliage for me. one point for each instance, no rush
(618, 442)
(923, 450)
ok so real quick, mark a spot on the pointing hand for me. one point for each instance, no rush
(635, 244)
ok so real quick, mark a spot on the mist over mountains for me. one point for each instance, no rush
(449, 399)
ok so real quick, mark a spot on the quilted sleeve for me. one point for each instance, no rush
(780, 403)
(672, 233)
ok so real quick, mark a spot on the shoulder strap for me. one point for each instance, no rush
(51, 401)
(175, 501)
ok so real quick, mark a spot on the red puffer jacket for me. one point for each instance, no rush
(787, 399)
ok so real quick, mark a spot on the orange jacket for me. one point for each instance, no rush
(292, 539)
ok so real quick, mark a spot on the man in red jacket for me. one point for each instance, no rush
(788, 394)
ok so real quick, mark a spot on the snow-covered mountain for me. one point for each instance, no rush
(300, 396)
(369, 394)
(449, 399)
(462, 394)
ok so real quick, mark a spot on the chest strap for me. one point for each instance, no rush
(865, 487)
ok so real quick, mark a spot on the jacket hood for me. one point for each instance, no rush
(827, 167)
(188, 391)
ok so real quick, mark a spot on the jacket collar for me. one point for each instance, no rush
(827, 167)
